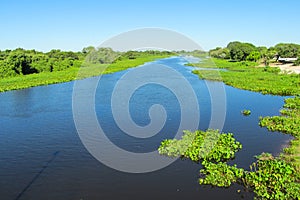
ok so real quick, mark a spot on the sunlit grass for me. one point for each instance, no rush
(246, 75)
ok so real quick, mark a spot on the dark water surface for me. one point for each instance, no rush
(42, 157)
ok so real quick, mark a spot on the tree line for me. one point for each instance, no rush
(239, 51)
(22, 62)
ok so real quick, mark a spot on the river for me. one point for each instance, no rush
(42, 156)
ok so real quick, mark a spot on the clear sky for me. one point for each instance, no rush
(74, 24)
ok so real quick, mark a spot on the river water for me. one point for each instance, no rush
(42, 157)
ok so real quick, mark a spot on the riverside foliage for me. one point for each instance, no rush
(240, 51)
(27, 68)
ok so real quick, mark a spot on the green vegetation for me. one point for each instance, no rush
(219, 174)
(268, 178)
(207, 145)
(27, 68)
(219, 52)
(23, 62)
(289, 123)
(288, 50)
(273, 178)
(246, 112)
(195, 53)
(246, 75)
(239, 51)
(297, 62)
(127, 60)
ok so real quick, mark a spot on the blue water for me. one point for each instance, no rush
(42, 157)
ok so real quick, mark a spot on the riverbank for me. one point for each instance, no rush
(73, 73)
(247, 76)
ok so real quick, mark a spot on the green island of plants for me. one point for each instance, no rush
(200, 145)
(246, 112)
(268, 178)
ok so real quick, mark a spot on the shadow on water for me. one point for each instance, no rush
(37, 175)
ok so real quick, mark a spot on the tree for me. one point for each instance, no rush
(88, 49)
(219, 52)
(288, 50)
(239, 51)
(20, 62)
(254, 56)
(267, 54)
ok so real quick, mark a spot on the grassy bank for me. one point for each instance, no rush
(247, 76)
(73, 73)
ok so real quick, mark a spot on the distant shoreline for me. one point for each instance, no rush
(73, 73)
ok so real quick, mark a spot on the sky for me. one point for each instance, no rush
(74, 24)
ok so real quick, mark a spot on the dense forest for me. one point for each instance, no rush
(238, 51)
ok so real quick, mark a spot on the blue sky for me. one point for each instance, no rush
(74, 24)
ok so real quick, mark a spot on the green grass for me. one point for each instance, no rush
(21, 82)
(70, 74)
(247, 76)
(222, 64)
